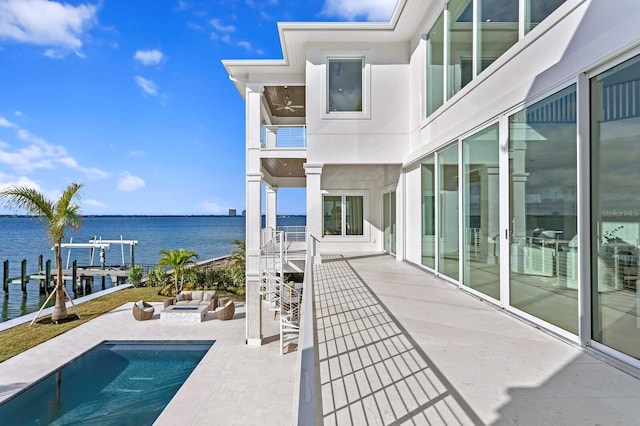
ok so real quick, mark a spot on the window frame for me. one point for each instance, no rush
(365, 114)
(343, 215)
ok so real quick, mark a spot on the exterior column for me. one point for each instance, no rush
(314, 199)
(272, 207)
(253, 218)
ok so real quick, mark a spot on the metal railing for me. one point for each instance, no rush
(294, 233)
(283, 136)
(308, 407)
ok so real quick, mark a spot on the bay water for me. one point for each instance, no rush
(25, 238)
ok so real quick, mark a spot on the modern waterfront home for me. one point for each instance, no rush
(495, 143)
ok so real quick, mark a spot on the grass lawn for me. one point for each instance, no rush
(22, 337)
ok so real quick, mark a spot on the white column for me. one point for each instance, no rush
(314, 199)
(272, 207)
(253, 218)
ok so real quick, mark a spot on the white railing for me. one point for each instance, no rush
(283, 136)
(308, 406)
(271, 266)
(294, 233)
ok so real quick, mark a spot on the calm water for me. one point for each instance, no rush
(25, 238)
(112, 384)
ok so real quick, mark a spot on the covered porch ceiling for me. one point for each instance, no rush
(285, 102)
(284, 167)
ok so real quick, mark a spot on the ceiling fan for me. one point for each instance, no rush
(288, 103)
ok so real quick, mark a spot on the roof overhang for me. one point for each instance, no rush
(295, 36)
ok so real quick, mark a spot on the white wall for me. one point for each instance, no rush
(382, 137)
(413, 214)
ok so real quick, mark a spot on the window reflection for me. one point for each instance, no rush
(537, 10)
(615, 132)
(435, 65)
(448, 252)
(428, 212)
(460, 68)
(345, 85)
(498, 22)
(543, 210)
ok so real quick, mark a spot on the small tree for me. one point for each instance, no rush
(135, 275)
(239, 254)
(178, 260)
(57, 217)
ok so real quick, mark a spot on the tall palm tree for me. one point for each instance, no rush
(57, 217)
(178, 260)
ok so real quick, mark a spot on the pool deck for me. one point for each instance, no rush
(230, 378)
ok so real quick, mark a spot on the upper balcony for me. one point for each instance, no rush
(283, 137)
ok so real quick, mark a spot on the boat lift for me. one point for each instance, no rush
(97, 243)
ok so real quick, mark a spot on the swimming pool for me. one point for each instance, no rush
(115, 383)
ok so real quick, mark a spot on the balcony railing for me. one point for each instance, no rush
(284, 136)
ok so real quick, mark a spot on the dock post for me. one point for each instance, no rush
(47, 275)
(75, 285)
(43, 290)
(24, 278)
(131, 256)
(5, 279)
(104, 282)
(88, 284)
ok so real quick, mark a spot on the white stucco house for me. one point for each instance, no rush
(495, 143)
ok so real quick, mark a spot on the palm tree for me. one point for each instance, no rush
(178, 260)
(239, 254)
(56, 217)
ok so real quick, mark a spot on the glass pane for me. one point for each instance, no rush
(428, 213)
(460, 69)
(393, 222)
(345, 85)
(386, 219)
(481, 198)
(537, 10)
(543, 210)
(435, 65)
(498, 23)
(332, 215)
(354, 214)
(448, 245)
(615, 133)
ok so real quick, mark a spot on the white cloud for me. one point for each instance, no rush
(149, 57)
(212, 207)
(46, 23)
(127, 182)
(39, 154)
(147, 85)
(136, 153)
(371, 10)
(5, 123)
(219, 26)
(244, 44)
(95, 203)
(7, 181)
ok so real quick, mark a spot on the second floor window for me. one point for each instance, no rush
(344, 84)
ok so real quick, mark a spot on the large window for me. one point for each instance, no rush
(448, 251)
(459, 69)
(435, 65)
(481, 214)
(543, 210)
(428, 212)
(537, 10)
(343, 215)
(615, 171)
(345, 77)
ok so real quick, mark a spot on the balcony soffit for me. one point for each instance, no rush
(284, 167)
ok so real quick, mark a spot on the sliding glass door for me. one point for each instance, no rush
(448, 251)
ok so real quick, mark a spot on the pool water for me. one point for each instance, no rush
(115, 383)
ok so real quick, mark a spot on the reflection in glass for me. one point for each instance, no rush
(345, 85)
(543, 184)
(435, 65)
(448, 251)
(498, 22)
(537, 10)
(332, 223)
(481, 203)
(428, 212)
(354, 209)
(615, 136)
(460, 67)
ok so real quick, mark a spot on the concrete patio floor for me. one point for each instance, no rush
(233, 384)
(400, 346)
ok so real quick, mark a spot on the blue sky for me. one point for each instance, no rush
(130, 98)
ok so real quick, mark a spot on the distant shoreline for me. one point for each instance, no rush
(152, 215)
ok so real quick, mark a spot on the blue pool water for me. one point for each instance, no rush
(115, 383)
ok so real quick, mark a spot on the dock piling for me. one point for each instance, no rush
(24, 278)
(5, 279)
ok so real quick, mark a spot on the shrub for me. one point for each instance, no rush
(135, 275)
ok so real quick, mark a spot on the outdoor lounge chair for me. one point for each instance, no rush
(142, 311)
(226, 312)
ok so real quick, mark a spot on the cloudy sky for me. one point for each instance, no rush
(130, 97)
